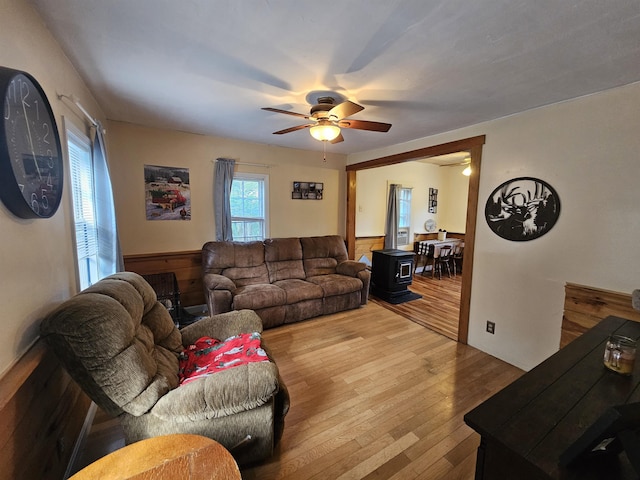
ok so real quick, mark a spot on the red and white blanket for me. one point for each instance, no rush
(209, 355)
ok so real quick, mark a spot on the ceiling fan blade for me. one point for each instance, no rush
(338, 139)
(293, 129)
(295, 114)
(365, 125)
(345, 109)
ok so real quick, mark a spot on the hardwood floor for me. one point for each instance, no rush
(439, 307)
(373, 396)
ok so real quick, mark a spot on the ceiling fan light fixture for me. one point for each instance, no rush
(325, 132)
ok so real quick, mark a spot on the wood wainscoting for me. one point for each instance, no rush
(42, 413)
(366, 245)
(584, 307)
(186, 265)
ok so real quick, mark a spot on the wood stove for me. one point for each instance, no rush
(391, 273)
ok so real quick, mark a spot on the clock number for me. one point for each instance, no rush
(24, 93)
(35, 206)
(45, 126)
(11, 96)
(45, 200)
(50, 161)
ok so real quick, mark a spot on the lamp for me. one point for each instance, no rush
(325, 131)
(467, 171)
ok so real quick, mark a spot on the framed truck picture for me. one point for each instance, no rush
(167, 193)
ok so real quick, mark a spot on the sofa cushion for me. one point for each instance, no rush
(231, 391)
(298, 290)
(216, 256)
(335, 284)
(284, 258)
(321, 255)
(242, 262)
(242, 276)
(255, 297)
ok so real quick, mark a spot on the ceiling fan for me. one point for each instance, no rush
(328, 118)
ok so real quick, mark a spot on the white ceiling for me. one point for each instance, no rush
(425, 66)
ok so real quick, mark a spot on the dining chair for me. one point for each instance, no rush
(422, 256)
(443, 259)
(456, 258)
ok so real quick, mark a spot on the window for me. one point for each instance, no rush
(249, 193)
(404, 215)
(82, 185)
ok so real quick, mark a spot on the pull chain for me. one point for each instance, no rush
(324, 151)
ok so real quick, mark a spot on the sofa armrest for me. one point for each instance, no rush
(350, 268)
(222, 326)
(214, 281)
(218, 292)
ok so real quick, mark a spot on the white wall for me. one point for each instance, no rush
(588, 150)
(36, 257)
(131, 147)
(452, 199)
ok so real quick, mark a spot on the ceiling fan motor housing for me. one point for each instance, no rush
(321, 110)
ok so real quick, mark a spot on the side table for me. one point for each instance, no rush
(526, 426)
(167, 457)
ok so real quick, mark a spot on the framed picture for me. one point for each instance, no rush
(307, 190)
(433, 200)
(167, 193)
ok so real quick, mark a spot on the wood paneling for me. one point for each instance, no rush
(186, 265)
(585, 307)
(41, 415)
(366, 245)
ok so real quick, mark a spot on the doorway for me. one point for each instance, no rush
(473, 145)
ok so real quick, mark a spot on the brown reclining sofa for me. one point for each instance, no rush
(283, 280)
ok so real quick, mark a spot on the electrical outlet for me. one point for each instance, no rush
(491, 327)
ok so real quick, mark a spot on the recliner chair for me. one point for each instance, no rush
(121, 346)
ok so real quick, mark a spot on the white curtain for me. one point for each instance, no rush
(222, 180)
(109, 253)
(391, 224)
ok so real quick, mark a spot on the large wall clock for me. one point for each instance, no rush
(31, 161)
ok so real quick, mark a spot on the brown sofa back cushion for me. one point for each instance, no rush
(118, 343)
(243, 263)
(284, 258)
(321, 255)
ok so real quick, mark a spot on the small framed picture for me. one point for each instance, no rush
(307, 190)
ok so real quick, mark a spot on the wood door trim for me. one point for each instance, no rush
(474, 146)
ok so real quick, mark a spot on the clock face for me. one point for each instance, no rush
(30, 155)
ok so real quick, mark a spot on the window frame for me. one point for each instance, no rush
(87, 274)
(264, 179)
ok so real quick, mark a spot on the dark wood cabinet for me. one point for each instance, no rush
(526, 426)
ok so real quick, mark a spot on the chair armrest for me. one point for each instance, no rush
(350, 268)
(214, 281)
(220, 394)
(222, 326)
